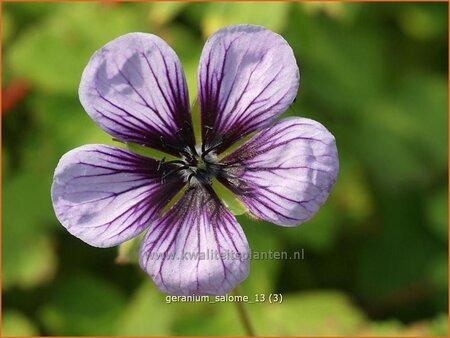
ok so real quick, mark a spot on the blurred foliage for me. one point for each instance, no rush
(375, 255)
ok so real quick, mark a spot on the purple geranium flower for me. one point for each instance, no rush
(134, 89)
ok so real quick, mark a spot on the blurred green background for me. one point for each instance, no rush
(375, 74)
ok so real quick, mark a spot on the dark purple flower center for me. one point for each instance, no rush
(198, 165)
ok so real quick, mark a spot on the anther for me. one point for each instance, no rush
(163, 161)
(211, 149)
(186, 135)
(179, 131)
(164, 144)
(189, 186)
(176, 162)
(173, 171)
(207, 130)
(160, 163)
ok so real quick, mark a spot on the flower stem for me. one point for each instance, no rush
(243, 315)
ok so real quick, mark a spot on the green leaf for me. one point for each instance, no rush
(334, 10)
(319, 233)
(82, 305)
(25, 15)
(313, 313)
(438, 273)
(128, 252)
(335, 65)
(437, 212)
(62, 44)
(351, 193)
(7, 26)
(204, 319)
(28, 254)
(394, 327)
(162, 13)
(262, 237)
(391, 327)
(146, 314)
(437, 276)
(61, 124)
(422, 22)
(439, 326)
(29, 263)
(15, 324)
(272, 15)
(399, 225)
(400, 143)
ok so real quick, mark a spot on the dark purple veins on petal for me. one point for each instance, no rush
(285, 172)
(197, 247)
(247, 76)
(106, 195)
(134, 88)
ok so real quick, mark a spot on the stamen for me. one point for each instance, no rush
(164, 144)
(211, 149)
(173, 171)
(163, 161)
(186, 133)
(196, 161)
(185, 138)
(208, 129)
(160, 163)
(176, 162)
(189, 186)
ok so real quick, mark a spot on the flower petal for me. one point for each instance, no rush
(134, 88)
(197, 247)
(106, 195)
(285, 172)
(247, 76)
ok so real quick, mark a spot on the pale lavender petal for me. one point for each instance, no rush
(106, 195)
(197, 247)
(247, 76)
(134, 88)
(285, 172)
